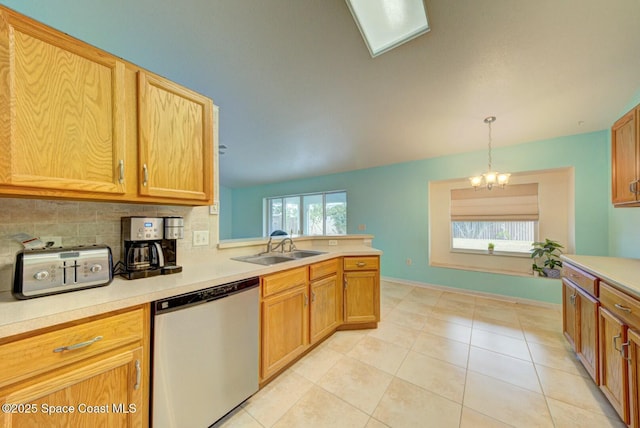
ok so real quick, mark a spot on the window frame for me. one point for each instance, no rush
(301, 212)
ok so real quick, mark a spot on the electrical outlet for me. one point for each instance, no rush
(56, 241)
(215, 208)
(200, 238)
(333, 242)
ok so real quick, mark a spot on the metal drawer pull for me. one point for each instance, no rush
(145, 174)
(121, 164)
(138, 375)
(361, 264)
(615, 342)
(78, 345)
(622, 308)
(572, 298)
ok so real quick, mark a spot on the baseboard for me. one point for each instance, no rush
(509, 299)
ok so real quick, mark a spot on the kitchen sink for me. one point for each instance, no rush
(301, 254)
(273, 259)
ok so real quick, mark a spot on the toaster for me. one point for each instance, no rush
(40, 272)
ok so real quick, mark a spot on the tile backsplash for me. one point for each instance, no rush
(85, 223)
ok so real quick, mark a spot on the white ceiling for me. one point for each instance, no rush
(300, 95)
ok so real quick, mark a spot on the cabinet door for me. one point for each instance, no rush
(361, 297)
(285, 329)
(634, 377)
(614, 377)
(624, 158)
(175, 130)
(569, 312)
(325, 307)
(104, 392)
(61, 112)
(587, 332)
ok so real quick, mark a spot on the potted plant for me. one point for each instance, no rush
(549, 251)
(490, 247)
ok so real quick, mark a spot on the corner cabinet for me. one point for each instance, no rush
(79, 123)
(92, 372)
(302, 306)
(625, 158)
(62, 123)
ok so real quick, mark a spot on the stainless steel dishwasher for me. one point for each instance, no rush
(205, 354)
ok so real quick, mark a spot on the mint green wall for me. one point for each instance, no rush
(392, 202)
(226, 213)
(624, 223)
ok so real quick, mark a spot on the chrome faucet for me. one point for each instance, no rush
(280, 245)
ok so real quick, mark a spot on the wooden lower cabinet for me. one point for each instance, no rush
(101, 379)
(586, 347)
(285, 329)
(361, 297)
(569, 312)
(614, 377)
(105, 392)
(633, 338)
(325, 307)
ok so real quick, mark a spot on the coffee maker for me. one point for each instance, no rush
(150, 246)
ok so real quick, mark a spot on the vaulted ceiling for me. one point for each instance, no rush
(300, 96)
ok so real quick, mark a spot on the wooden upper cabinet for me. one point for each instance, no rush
(625, 158)
(61, 116)
(175, 146)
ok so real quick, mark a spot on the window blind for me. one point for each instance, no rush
(514, 202)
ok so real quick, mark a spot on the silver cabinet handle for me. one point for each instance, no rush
(572, 298)
(615, 342)
(121, 167)
(623, 308)
(145, 174)
(345, 283)
(633, 187)
(622, 352)
(78, 345)
(138, 375)
(361, 264)
(313, 296)
(306, 299)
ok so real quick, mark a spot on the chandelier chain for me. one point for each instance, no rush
(489, 146)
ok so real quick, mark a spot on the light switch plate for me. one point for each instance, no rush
(200, 238)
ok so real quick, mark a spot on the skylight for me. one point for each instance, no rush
(385, 24)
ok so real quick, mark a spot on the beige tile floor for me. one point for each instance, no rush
(438, 359)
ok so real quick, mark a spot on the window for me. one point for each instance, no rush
(555, 220)
(505, 217)
(308, 214)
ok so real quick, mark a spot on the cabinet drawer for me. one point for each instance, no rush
(581, 278)
(361, 263)
(44, 352)
(277, 282)
(623, 306)
(318, 270)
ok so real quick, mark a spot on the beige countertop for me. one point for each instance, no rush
(620, 272)
(200, 270)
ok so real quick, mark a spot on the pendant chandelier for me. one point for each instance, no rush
(491, 177)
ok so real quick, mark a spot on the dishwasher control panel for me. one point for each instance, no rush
(205, 295)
